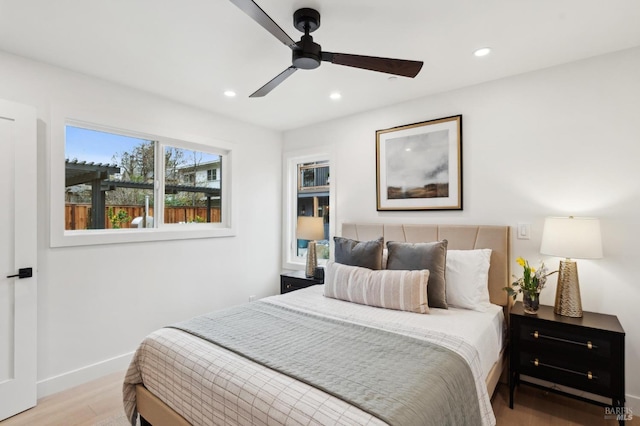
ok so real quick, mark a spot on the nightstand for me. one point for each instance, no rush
(585, 353)
(295, 280)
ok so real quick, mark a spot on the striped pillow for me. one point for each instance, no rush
(400, 290)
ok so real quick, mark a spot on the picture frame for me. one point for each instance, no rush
(419, 166)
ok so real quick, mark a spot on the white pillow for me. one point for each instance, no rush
(467, 278)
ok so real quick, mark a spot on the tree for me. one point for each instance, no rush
(138, 164)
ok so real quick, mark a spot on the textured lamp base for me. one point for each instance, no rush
(568, 302)
(312, 259)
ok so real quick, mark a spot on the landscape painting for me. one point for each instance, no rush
(419, 166)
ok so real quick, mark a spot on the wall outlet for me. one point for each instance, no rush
(252, 298)
(523, 232)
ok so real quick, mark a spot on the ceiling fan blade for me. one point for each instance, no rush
(390, 66)
(273, 83)
(260, 16)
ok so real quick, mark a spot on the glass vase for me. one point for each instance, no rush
(531, 302)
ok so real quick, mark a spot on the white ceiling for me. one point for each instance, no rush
(192, 51)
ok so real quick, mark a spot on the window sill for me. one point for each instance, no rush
(121, 236)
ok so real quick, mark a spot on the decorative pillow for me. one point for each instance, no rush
(400, 290)
(468, 278)
(366, 254)
(431, 256)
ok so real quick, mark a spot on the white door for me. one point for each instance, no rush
(18, 240)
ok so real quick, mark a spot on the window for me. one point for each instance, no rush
(313, 200)
(144, 187)
(187, 178)
(308, 193)
(189, 196)
(108, 179)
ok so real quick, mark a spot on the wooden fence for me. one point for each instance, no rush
(78, 216)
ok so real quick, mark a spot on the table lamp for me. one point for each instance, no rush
(571, 238)
(311, 229)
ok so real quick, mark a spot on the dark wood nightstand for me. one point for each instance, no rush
(295, 280)
(582, 353)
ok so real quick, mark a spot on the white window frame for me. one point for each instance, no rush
(290, 161)
(189, 177)
(59, 237)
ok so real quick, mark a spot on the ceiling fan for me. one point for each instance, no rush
(307, 55)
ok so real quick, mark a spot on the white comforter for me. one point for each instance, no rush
(209, 385)
(482, 330)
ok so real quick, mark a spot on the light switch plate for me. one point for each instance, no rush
(523, 232)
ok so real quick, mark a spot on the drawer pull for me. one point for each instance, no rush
(589, 375)
(589, 344)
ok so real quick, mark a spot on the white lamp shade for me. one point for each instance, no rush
(310, 228)
(572, 237)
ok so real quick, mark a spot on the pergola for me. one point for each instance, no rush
(97, 175)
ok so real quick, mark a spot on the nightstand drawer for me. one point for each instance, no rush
(590, 377)
(568, 341)
(296, 280)
(292, 285)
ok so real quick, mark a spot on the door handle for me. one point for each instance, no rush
(23, 273)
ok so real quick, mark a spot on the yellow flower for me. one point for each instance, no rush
(531, 281)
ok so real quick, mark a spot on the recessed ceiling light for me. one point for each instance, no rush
(335, 96)
(230, 93)
(483, 51)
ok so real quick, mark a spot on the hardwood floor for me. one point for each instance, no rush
(533, 406)
(99, 403)
(95, 403)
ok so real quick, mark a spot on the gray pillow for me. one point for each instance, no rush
(431, 256)
(366, 254)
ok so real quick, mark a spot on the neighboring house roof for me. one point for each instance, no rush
(200, 166)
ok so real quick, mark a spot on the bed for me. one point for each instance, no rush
(180, 378)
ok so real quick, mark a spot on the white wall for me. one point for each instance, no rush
(560, 141)
(96, 303)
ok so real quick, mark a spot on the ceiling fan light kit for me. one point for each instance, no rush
(307, 54)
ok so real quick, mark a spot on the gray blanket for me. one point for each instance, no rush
(399, 379)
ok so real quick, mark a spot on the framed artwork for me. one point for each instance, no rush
(419, 166)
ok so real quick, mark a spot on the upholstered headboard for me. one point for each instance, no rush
(459, 237)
